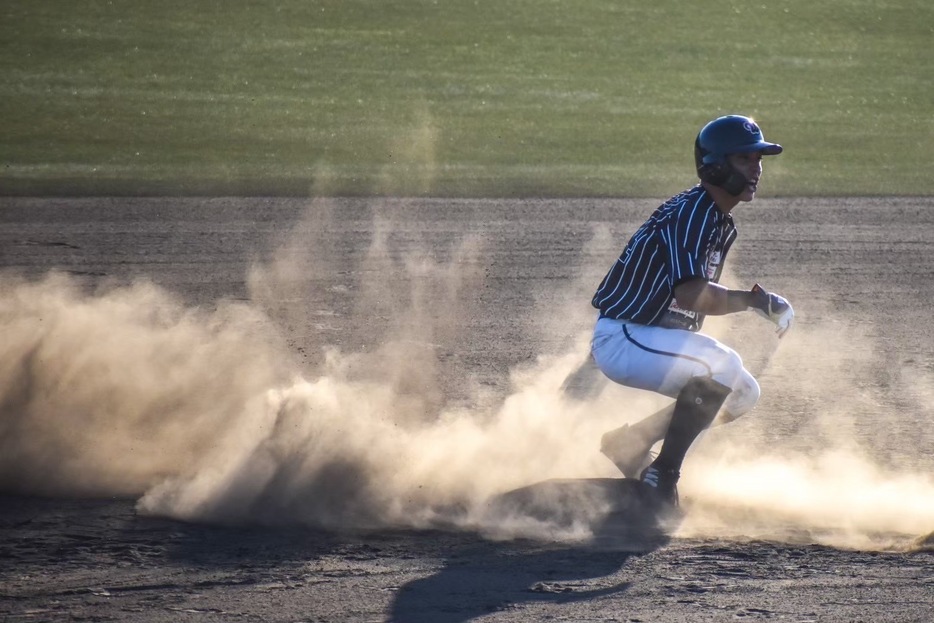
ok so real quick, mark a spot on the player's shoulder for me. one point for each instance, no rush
(686, 202)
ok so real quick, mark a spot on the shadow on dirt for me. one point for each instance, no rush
(95, 532)
(105, 545)
(482, 577)
(489, 577)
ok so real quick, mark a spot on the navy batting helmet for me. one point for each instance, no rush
(732, 134)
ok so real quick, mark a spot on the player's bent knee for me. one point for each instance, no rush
(744, 397)
(729, 371)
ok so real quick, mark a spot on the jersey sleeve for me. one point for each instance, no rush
(688, 240)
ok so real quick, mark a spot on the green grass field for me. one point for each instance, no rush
(458, 97)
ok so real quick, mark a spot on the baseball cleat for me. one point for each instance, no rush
(664, 482)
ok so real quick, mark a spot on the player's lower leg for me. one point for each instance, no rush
(628, 446)
(696, 407)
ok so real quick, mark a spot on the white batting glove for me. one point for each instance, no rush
(773, 307)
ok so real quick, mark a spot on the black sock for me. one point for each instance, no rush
(696, 407)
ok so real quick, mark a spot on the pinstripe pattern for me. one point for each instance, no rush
(685, 238)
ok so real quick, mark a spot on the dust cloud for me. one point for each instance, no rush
(368, 441)
(208, 416)
(835, 455)
(108, 391)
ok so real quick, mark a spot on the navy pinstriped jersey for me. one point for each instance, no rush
(686, 237)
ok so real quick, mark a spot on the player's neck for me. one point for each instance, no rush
(724, 200)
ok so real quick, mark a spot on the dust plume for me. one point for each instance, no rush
(815, 461)
(208, 415)
(324, 401)
(107, 392)
(368, 440)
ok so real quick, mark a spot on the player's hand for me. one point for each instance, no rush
(774, 308)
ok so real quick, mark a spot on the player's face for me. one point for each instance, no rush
(750, 165)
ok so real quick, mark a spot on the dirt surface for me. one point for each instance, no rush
(458, 320)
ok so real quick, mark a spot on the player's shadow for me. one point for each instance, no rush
(483, 576)
(486, 577)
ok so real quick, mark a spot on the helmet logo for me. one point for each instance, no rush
(751, 127)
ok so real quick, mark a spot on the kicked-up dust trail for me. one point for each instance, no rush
(207, 415)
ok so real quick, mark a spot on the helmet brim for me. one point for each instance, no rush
(763, 147)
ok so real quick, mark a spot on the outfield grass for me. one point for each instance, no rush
(458, 97)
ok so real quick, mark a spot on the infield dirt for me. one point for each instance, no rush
(288, 410)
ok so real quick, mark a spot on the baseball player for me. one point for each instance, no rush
(655, 297)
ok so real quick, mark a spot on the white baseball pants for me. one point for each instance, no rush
(664, 360)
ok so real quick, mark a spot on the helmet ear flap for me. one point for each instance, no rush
(711, 168)
(723, 174)
(716, 173)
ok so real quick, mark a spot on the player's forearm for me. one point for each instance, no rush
(712, 299)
